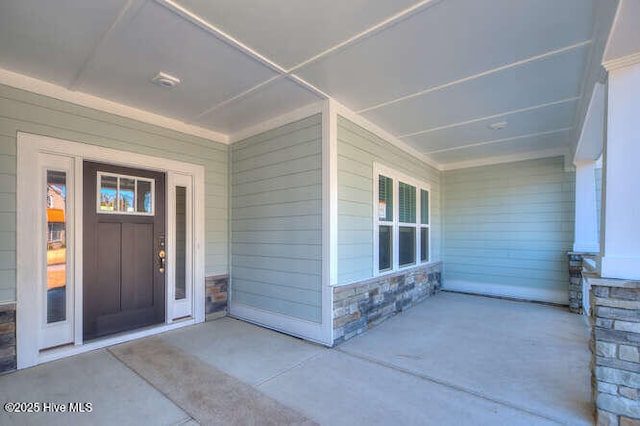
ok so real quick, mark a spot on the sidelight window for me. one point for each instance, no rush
(56, 208)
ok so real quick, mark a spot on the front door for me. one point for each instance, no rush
(123, 249)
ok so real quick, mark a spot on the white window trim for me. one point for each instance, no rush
(59, 332)
(180, 308)
(379, 169)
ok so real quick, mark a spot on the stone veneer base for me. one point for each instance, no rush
(7, 337)
(216, 291)
(615, 348)
(576, 267)
(360, 306)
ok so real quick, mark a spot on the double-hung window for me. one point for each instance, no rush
(401, 221)
(424, 225)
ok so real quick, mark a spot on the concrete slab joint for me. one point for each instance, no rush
(615, 347)
(360, 306)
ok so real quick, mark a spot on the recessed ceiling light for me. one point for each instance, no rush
(497, 126)
(165, 80)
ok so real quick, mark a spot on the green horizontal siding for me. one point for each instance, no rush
(23, 111)
(509, 224)
(276, 220)
(358, 149)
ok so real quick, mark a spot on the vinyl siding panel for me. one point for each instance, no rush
(32, 113)
(276, 220)
(358, 149)
(509, 224)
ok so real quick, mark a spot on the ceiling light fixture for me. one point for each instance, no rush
(498, 126)
(165, 80)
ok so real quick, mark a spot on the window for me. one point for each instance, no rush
(407, 224)
(385, 223)
(122, 194)
(401, 222)
(181, 243)
(424, 225)
(56, 246)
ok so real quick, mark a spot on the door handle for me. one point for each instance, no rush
(162, 256)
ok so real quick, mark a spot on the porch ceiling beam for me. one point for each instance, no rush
(490, 117)
(456, 148)
(476, 76)
(129, 8)
(282, 71)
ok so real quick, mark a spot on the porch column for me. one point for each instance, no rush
(621, 172)
(586, 238)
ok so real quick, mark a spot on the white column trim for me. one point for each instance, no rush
(329, 216)
(586, 238)
(330, 184)
(621, 231)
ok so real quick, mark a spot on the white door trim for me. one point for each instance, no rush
(29, 148)
(56, 333)
(181, 308)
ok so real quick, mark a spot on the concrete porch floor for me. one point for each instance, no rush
(454, 359)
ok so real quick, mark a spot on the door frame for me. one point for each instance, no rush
(29, 253)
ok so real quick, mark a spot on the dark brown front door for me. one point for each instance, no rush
(123, 234)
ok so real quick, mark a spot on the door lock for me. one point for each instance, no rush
(162, 257)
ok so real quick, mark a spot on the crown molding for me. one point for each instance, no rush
(625, 61)
(40, 87)
(281, 120)
(534, 155)
(378, 131)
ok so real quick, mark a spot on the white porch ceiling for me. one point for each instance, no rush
(433, 73)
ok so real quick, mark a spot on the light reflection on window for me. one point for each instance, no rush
(56, 246)
(125, 194)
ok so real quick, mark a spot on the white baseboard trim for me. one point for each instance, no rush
(560, 297)
(304, 329)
